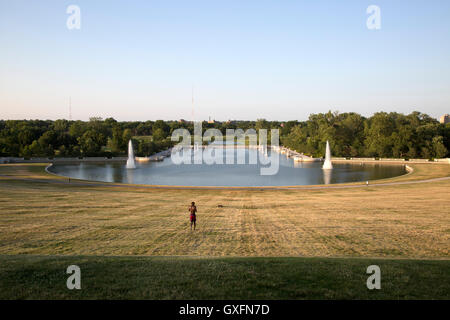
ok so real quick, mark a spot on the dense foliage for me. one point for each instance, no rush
(383, 135)
(62, 138)
(351, 135)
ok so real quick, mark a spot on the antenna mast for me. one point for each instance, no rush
(70, 108)
(192, 111)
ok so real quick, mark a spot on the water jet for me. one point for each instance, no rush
(130, 162)
(327, 165)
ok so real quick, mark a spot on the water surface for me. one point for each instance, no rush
(290, 173)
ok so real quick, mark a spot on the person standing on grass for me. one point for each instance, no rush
(193, 214)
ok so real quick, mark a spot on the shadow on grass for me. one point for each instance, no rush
(44, 277)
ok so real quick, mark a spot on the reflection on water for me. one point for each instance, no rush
(290, 173)
(129, 177)
(326, 176)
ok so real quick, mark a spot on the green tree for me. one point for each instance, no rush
(126, 136)
(158, 135)
(91, 142)
(438, 147)
(117, 143)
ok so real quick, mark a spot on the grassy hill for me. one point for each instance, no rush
(134, 241)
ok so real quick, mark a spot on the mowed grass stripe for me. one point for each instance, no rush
(407, 221)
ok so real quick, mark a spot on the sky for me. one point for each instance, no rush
(278, 60)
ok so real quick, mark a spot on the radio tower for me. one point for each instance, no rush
(192, 111)
(70, 108)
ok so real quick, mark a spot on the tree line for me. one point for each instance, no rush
(416, 135)
(387, 135)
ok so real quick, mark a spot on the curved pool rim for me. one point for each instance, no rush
(374, 182)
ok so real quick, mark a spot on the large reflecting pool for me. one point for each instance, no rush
(290, 173)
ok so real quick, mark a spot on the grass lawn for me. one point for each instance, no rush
(253, 243)
(407, 221)
(44, 277)
(143, 138)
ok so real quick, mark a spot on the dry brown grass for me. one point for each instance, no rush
(411, 220)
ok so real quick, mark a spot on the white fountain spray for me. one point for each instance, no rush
(130, 161)
(327, 165)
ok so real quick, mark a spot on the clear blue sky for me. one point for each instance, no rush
(279, 60)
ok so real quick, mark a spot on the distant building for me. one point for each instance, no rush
(182, 121)
(445, 119)
(211, 121)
